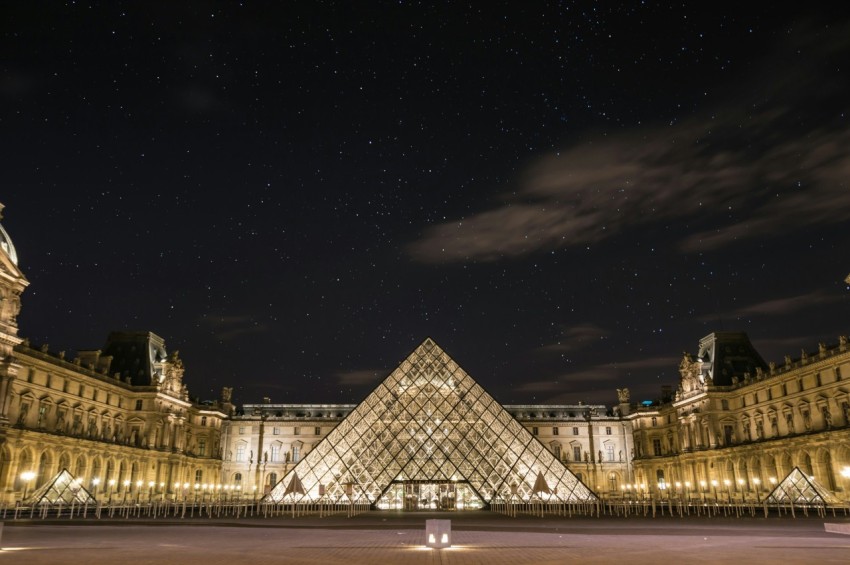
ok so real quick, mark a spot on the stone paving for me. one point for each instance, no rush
(380, 538)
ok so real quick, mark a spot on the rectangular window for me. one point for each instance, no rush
(240, 452)
(576, 453)
(297, 431)
(609, 449)
(202, 447)
(724, 404)
(554, 431)
(575, 431)
(534, 431)
(608, 431)
(317, 431)
(817, 379)
(654, 421)
(139, 404)
(656, 447)
(203, 420)
(838, 373)
(295, 450)
(199, 476)
(727, 434)
(275, 453)
(276, 431)
(241, 430)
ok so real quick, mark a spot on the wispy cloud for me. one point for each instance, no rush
(573, 338)
(361, 377)
(778, 306)
(739, 172)
(226, 328)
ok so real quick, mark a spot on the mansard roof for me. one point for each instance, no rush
(729, 354)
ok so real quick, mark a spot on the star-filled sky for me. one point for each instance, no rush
(564, 195)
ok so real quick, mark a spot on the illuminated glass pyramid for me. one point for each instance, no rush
(430, 423)
(797, 488)
(63, 489)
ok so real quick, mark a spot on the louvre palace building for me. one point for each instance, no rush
(120, 420)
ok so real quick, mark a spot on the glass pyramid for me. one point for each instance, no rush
(797, 488)
(63, 488)
(430, 423)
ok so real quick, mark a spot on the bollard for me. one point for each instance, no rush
(438, 533)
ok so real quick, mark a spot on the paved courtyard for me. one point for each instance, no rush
(383, 538)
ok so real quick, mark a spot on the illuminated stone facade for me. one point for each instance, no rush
(119, 419)
(736, 424)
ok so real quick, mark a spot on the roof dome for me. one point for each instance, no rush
(6, 242)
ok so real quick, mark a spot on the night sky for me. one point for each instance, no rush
(565, 196)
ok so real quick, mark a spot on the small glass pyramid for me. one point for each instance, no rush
(63, 488)
(429, 424)
(797, 488)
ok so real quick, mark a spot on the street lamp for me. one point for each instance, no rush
(27, 476)
(714, 488)
(111, 484)
(704, 487)
(94, 483)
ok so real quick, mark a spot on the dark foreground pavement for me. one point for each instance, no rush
(386, 538)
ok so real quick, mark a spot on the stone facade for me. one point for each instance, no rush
(265, 441)
(119, 419)
(736, 424)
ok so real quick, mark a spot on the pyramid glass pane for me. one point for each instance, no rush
(430, 435)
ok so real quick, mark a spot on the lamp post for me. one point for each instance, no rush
(26, 476)
(741, 488)
(728, 483)
(688, 490)
(704, 488)
(756, 483)
(94, 483)
(126, 484)
(111, 485)
(151, 484)
(714, 488)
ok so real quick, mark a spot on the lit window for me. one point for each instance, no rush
(202, 447)
(240, 452)
(295, 450)
(275, 453)
(199, 476)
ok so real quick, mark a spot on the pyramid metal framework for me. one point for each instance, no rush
(64, 489)
(429, 421)
(797, 488)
